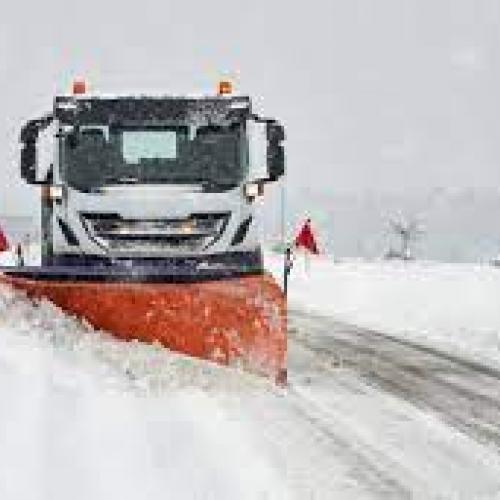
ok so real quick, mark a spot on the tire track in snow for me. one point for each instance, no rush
(463, 393)
(370, 467)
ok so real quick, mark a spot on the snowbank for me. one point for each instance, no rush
(454, 307)
(83, 415)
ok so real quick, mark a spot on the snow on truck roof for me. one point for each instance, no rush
(156, 96)
(98, 107)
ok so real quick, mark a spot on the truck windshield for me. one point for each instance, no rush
(208, 155)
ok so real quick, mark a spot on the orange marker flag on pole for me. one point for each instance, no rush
(305, 239)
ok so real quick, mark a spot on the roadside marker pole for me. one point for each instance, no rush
(287, 268)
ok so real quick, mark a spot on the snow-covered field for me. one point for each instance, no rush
(453, 307)
(83, 415)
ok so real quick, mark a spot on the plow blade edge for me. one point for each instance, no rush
(237, 321)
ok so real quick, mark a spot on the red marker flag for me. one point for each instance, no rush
(306, 239)
(4, 244)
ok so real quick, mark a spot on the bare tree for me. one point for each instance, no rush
(408, 232)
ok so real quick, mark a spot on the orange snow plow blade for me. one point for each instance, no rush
(237, 321)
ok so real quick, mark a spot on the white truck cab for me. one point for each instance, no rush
(151, 178)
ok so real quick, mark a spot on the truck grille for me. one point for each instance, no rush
(193, 233)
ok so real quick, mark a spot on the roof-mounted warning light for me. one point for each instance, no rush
(79, 87)
(225, 87)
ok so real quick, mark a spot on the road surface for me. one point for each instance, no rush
(463, 393)
(384, 418)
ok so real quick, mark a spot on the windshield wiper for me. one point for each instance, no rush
(123, 180)
(206, 184)
(211, 184)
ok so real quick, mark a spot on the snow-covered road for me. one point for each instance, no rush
(463, 393)
(419, 423)
(85, 416)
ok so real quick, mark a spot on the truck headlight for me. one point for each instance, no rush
(253, 189)
(188, 226)
(56, 193)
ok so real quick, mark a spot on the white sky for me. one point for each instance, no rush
(376, 94)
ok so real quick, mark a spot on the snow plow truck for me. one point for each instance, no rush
(149, 226)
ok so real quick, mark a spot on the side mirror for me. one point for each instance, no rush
(275, 150)
(266, 154)
(28, 162)
(257, 151)
(29, 154)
